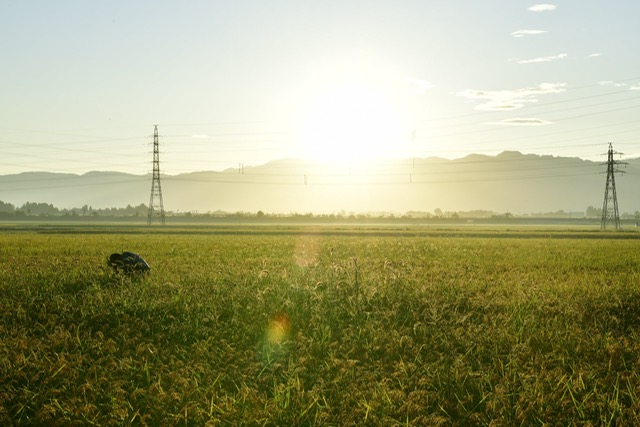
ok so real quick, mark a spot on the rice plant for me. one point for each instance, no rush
(299, 328)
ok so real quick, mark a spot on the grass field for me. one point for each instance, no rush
(320, 328)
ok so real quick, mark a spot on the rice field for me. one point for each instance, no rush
(319, 329)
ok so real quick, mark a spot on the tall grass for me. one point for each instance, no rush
(319, 330)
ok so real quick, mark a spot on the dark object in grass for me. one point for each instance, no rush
(128, 262)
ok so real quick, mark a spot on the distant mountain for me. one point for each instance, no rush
(509, 182)
(96, 189)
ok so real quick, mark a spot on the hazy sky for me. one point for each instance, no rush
(232, 82)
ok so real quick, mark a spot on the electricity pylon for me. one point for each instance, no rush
(610, 204)
(156, 209)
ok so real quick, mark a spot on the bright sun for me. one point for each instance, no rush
(351, 121)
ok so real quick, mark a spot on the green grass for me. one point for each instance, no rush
(313, 329)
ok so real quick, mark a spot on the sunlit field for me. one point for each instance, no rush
(302, 328)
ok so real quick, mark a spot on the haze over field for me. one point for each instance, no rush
(510, 182)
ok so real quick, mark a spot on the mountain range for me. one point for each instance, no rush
(509, 182)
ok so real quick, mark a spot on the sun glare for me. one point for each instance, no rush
(350, 122)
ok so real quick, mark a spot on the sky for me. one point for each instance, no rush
(233, 83)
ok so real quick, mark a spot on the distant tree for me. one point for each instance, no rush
(593, 212)
(7, 207)
(31, 208)
(418, 214)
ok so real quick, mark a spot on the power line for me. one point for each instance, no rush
(226, 137)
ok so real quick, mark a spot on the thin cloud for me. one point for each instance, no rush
(542, 59)
(611, 83)
(616, 84)
(522, 33)
(594, 55)
(417, 85)
(542, 7)
(521, 122)
(506, 100)
(200, 136)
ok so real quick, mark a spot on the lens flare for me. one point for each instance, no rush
(278, 329)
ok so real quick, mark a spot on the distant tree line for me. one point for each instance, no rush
(47, 209)
(33, 209)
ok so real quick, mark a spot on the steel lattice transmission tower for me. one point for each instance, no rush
(156, 209)
(610, 204)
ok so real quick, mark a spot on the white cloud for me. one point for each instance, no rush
(542, 7)
(542, 59)
(611, 83)
(417, 85)
(506, 100)
(522, 33)
(635, 87)
(594, 55)
(530, 121)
